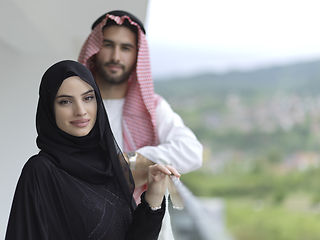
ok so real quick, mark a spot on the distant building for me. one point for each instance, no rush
(300, 161)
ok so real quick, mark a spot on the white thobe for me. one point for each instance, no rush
(178, 146)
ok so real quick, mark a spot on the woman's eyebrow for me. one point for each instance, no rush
(64, 95)
(90, 91)
(69, 96)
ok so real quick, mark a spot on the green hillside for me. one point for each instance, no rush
(205, 104)
(300, 77)
(261, 135)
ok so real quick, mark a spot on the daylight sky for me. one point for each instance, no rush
(187, 37)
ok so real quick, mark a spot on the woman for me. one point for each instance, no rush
(79, 185)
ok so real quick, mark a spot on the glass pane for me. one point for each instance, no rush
(191, 218)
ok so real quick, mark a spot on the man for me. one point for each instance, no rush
(144, 125)
(116, 52)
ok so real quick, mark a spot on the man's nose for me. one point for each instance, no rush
(116, 54)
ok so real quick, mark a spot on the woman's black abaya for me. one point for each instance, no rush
(77, 187)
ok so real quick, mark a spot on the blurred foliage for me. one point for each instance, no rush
(253, 221)
(264, 205)
(265, 184)
(262, 202)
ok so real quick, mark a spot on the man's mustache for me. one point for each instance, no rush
(114, 64)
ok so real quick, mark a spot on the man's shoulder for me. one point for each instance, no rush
(158, 98)
(162, 104)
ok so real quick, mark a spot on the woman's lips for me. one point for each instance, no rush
(80, 123)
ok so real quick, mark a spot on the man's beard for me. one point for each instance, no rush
(116, 80)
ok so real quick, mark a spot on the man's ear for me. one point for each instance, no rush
(92, 63)
(93, 58)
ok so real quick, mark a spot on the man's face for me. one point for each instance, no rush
(117, 57)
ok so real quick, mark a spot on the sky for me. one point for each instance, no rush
(189, 37)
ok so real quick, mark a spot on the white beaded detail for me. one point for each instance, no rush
(155, 208)
(178, 208)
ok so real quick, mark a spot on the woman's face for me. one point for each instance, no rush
(75, 107)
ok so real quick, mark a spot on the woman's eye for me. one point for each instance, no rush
(88, 98)
(64, 102)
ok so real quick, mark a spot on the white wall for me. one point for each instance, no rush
(34, 35)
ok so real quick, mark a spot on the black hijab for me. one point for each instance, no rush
(93, 158)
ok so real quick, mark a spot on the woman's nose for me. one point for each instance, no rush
(79, 110)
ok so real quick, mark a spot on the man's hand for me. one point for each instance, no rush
(142, 163)
(140, 177)
(141, 169)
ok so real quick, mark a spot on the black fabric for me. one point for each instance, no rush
(120, 14)
(76, 187)
(50, 204)
(145, 224)
(71, 153)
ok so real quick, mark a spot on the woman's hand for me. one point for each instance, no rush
(176, 200)
(157, 183)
